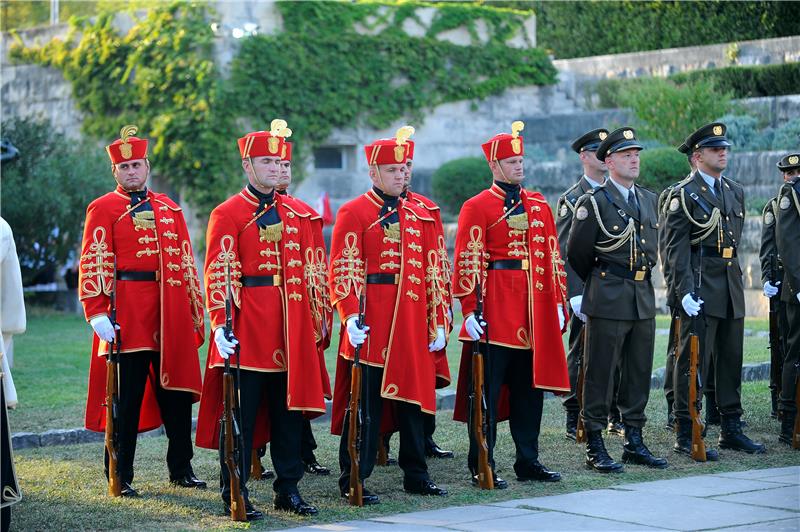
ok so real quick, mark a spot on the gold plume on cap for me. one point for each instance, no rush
(278, 128)
(127, 131)
(516, 127)
(403, 134)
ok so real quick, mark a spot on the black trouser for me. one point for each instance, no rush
(776, 374)
(285, 429)
(429, 428)
(410, 457)
(513, 367)
(575, 342)
(791, 360)
(176, 413)
(720, 339)
(611, 345)
(669, 368)
(307, 444)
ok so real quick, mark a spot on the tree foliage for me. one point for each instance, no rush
(456, 181)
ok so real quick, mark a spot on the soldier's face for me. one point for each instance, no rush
(132, 175)
(409, 164)
(285, 178)
(592, 163)
(791, 174)
(624, 164)
(390, 178)
(713, 159)
(511, 169)
(264, 173)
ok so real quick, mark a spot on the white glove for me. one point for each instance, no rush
(474, 329)
(103, 328)
(798, 296)
(437, 344)
(560, 317)
(224, 346)
(771, 289)
(691, 306)
(575, 302)
(354, 334)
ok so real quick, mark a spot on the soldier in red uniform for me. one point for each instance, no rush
(507, 246)
(266, 243)
(159, 312)
(385, 245)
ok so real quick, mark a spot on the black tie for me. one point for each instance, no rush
(632, 202)
(718, 192)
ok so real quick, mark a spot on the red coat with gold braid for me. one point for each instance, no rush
(442, 367)
(274, 324)
(520, 306)
(164, 315)
(403, 318)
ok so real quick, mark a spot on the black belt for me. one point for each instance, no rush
(712, 251)
(622, 271)
(509, 264)
(132, 275)
(383, 278)
(261, 280)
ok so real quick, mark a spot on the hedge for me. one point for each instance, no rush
(456, 181)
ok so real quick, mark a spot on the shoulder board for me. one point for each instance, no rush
(163, 199)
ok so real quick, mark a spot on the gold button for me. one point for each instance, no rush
(656, 225)
(644, 241)
(641, 227)
(616, 227)
(602, 274)
(704, 189)
(730, 263)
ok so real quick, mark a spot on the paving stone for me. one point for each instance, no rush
(763, 473)
(364, 525)
(791, 478)
(787, 497)
(455, 515)
(59, 437)
(88, 436)
(645, 509)
(25, 440)
(787, 525)
(702, 486)
(550, 521)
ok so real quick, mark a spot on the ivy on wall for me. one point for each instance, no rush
(319, 74)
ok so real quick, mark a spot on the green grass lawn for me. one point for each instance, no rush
(51, 369)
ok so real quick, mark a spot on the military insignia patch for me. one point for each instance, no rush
(674, 204)
(785, 202)
(563, 211)
(769, 218)
(582, 213)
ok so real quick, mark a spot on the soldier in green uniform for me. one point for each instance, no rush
(788, 240)
(772, 280)
(704, 221)
(613, 247)
(594, 175)
(672, 301)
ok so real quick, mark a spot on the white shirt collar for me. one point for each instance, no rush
(709, 180)
(622, 190)
(594, 184)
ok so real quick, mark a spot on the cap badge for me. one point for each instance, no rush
(602, 135)
(717, 130)
(628, 134)
(516, 127)
(125, 149)
(794, 159)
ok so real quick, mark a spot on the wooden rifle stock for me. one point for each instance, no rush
(256, 471)
(383, 455)
(355, 491)
(698, 445)
(478, 404)
(580, 430)
(112, 397)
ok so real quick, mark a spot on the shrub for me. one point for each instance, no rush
(787, 136)
(750, 81)
(745, 134)
(661, 167)
(458, 180)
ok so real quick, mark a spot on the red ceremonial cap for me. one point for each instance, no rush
(390, 151)
(127, 147)
(503, 145)
(287, 152)
(265, 143)
(410, 150)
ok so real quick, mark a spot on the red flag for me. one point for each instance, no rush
(325, 209)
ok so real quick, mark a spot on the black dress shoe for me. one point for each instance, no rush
(249, 511)
(499, 483)
(635, 451)
(597, 457)
(424, 487)
(128, 490)
(266, 474)
(315, 468)
(437, 452)
(189, 481)
(538, 472)
(367, 497)
(293, 502)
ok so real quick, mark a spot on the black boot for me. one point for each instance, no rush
(683, 441)
(670, 424)
(712, 413)
(635, 451)
(774, 396)
(572, 424)
(732, 437)
(597, 457)
(787, 427)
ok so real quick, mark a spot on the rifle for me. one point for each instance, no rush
(676, 342)
(354, 438)
(112, 396)
(256, 471)
(228, 423)
(478, 409)
(796, 428)
(695, 384)
(382, 458)
(580, 430)
(775, 339)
